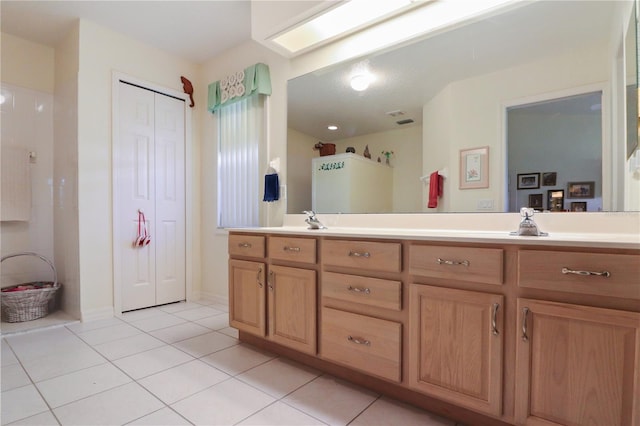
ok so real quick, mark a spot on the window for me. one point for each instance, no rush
(240, 137)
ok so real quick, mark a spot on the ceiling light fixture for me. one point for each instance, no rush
(360, 82)
(332, 127)
(338, 21)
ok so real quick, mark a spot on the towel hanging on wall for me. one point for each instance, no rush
(436, 183)
(271, 186)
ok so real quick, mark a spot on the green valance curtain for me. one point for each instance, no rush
(239, 85)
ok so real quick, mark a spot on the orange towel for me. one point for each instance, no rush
(435, 189)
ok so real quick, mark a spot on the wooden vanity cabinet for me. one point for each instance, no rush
(457, 336)
(277, 302)
(359, 325)
(576, 365)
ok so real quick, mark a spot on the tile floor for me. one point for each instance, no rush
(178, 364)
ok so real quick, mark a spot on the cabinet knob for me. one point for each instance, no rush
(494, 319)
(525, 313)
(258, 278)
(362, 290)
(359, 254)
(359, 341)
(605, 274)
(453, 262)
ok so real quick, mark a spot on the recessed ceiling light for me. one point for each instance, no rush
(360, 82)
(332, 127)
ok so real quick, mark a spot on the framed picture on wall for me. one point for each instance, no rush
(535, 201)
(549, 178)
(474, 168)
(581, 189)
(555, 200)
(578, 206)
(528, 180)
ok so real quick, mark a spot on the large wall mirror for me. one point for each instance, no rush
(535, 96)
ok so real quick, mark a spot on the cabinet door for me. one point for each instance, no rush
(576, 365)
(292, 307)
(456, 346)
(247, 296)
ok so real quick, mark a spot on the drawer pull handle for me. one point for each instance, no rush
(359, 341)
(292, 249)
(244, 245)
(258, 278)
(359, 290)
(270, 280)
(605, 274)
(525, 313)
(453, 262)
(494, 319)
(358, 254)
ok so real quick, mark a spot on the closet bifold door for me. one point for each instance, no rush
(149, 177)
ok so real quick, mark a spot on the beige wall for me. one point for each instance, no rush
(101, 52)
(214, 241)
(27, 64)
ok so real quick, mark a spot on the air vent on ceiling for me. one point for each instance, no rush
(405, 121)
(396, 113)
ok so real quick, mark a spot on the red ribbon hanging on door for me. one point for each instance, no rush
(143, 238)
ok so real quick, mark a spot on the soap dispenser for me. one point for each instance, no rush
(528, 227)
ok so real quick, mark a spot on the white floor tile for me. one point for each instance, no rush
(163, 417)
(219, 306)
(113, 407)
(223, 404)
(43, 419)
(331, 400)
(140, 314)
(215, 322)
(180, 306)
(129, 346)
(80, 384)
(152, 361)
(62, 362)
(93, 325)
(108, 334)
(231, 332)
(196, 314)
(13, 376)
(206, 344)
(157, 322)
(182, 381)
(7, 357)
(38, 343)
(279, 377)
(20, 403)
(237, 359)
(386, 412)
(279, 413)
(179, 332)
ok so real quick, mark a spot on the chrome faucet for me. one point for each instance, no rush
(313, 221)
(527, 226)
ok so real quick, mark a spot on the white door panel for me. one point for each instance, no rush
(150, 176)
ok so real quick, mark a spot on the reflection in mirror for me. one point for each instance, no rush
(452, 91)
(631, 76)
(562, 140)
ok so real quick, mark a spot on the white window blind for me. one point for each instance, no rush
(241, 136)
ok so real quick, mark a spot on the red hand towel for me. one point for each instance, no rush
(435, 189)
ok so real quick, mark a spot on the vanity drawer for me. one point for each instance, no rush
(246, 245)
(365, 343)
(367, 291)
(577, 272)
(482, 265)
(370, 256)
(293, 249)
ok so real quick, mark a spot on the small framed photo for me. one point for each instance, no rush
(549, 178)
(581, 189)
(528, 180)
(535, 201)
(578, 206)
(555, 200)
(474, 168)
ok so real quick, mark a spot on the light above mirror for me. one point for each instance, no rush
(454, 88)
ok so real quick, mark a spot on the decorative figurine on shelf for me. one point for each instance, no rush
(366, 153)
(388, 155)
(379, 160)
(351, 150)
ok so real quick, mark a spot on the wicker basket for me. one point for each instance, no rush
(27, 305)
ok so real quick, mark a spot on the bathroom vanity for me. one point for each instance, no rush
(481, 327)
